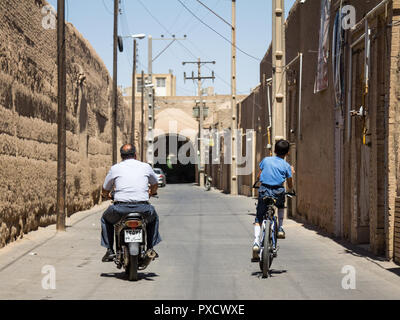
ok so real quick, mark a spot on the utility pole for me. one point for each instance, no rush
(201, 112)
(61, 146)
(133, 93)
(279, 74)
(114, 102)
(150, 99)
(234, 181)
(61, 116)
(142, 121)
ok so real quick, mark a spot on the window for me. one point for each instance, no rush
(160, 82)
(138, 85)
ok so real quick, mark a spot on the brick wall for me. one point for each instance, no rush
(28, 115)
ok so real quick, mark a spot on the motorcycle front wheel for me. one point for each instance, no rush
(132, 268)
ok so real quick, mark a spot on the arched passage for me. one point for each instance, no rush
(175, 155)
(174, 145)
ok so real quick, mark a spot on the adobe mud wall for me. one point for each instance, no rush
(28, 120)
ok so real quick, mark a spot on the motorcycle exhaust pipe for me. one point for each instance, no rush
(149, 257)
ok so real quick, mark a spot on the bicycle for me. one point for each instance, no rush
(269, 239)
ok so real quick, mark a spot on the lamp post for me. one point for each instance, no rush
(151, 92)
(134, 37)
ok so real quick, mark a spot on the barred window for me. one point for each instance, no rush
(139, 85)
(160, 82)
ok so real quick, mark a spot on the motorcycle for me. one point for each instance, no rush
(131, 245)
(207, 185)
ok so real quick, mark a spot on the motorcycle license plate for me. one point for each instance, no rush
(133, 236)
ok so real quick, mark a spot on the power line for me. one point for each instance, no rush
(124, 28)
(214, 13)
(223, 37)
(207, 67)
(155, 19)
(105, 6)
(176, 19)
(196, 25)
(179, 42)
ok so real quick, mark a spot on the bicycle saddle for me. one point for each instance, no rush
(269, 201)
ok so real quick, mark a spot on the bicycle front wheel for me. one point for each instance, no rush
(266, 258)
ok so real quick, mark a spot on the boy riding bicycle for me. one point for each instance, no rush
(274, 172)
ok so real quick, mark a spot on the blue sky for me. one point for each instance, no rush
(94, 19)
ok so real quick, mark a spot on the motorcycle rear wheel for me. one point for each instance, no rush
(132, 268)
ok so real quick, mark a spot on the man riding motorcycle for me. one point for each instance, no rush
(129, 181)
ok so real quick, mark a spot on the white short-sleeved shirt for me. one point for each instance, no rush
(131, 179)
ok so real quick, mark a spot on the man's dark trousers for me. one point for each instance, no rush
(115, 212)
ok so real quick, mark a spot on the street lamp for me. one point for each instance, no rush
(134, 37)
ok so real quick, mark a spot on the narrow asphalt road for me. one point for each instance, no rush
(205, 254)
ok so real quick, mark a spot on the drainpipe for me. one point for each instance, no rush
(349, 92)
(373, 11)
(270, 117)
(300, 96)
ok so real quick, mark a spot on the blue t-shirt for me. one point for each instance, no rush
(275, 171)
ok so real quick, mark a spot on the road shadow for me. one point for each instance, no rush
(123, 276)
(396, 271)
(273, 272)
(348, 248)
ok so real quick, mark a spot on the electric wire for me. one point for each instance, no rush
(163, 50)
(196, 25)
(124, 14)
(214, 13)
(105, 6)
(180, 43)
(223, 37)
(176, 19)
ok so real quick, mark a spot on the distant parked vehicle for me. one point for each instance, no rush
(162, 179)
(207, 185)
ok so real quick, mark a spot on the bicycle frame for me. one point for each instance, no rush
(270, 215)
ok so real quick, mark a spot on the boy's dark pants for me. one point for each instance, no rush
(277, 192)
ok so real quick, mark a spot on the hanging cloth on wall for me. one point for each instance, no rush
(321, 81)
(337, 60)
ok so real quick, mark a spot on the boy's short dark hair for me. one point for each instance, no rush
(282, 147)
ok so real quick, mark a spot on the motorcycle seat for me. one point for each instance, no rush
(134, 215)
